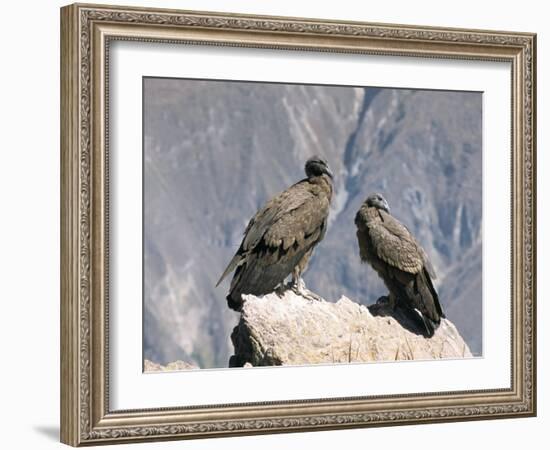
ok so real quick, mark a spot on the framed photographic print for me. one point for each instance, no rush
(275, 225)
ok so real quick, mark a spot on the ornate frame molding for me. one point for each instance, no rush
(86, 31)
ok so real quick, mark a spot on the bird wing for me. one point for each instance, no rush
(233, 264)
(427, 263)
(302, 223)
(275, 209)
(296, 215)
(395, 245)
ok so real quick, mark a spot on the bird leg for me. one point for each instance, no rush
(392, 301)
(298, 286)
(300, 289)
(280, 289)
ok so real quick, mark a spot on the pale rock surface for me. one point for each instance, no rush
(150, 366)
(292, 330)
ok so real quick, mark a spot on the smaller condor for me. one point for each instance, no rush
(388, 246)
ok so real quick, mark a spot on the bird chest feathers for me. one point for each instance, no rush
(321, 186)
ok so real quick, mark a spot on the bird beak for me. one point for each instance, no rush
(329, 173)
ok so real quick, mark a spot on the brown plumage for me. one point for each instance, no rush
(280, 238)
(388, 246)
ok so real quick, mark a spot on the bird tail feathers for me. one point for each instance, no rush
(429, 325)
(434, 294)
(236, 261)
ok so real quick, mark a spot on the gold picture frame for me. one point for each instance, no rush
(86, 32)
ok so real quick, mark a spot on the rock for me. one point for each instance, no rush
(291, 330)
(150, 366)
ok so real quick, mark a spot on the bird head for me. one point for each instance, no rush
(317, 166)
(378, 201)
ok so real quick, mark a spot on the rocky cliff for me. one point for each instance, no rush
(291, 330)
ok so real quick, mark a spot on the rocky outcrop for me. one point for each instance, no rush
(150, 366)
(291, 330)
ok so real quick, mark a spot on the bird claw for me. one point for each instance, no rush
(299, 288)
(280, 290)
(312, 297)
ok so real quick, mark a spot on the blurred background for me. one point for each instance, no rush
(216, 151)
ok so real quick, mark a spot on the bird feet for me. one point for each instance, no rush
(281, 289)
(299, 288)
